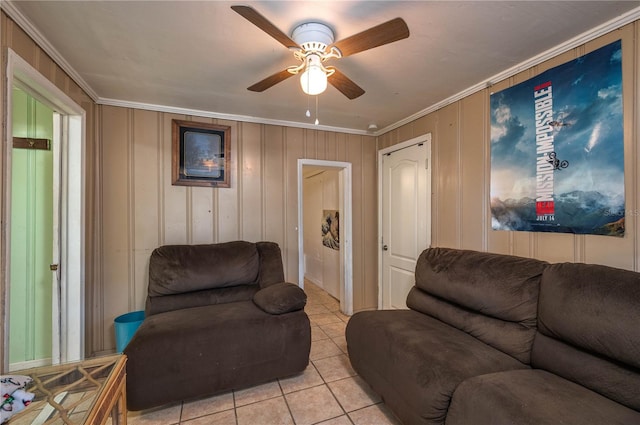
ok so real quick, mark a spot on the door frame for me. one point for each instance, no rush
(346, 246)
(70, 129)
(424, 138)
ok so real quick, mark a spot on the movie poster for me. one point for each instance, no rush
(557, 154)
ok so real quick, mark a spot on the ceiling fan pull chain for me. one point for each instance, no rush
(317, 122)
(308, 113)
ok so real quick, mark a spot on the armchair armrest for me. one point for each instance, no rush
(280, 298)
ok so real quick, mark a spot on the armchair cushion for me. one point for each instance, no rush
(280, 298)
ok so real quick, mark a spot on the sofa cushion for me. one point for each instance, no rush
(205, 350)
(593, 307)
(512, 338)
(271, 270)
(533, 397)
(155, 305)
(280, 298)
(483, 285)
(174, 269)
(501, 286)
(588, 325)
(415, 362)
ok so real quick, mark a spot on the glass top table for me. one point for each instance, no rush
(85, 392)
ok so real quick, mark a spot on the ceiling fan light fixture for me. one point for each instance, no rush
(313, 36)
(314, 78)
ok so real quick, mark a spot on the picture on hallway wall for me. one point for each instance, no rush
(331, 229)
(557, 149)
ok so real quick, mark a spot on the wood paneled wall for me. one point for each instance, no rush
(140, 209)
(461, 216)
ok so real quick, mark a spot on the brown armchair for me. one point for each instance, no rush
(218, 317)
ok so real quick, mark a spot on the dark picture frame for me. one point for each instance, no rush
(200, 154)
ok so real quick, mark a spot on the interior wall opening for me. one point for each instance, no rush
(66, 261)
(324, 219)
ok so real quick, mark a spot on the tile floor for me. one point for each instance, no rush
(328, 392)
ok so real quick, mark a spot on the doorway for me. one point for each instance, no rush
(33, 239)
(405, 217)
(341, 172)
(68, 185)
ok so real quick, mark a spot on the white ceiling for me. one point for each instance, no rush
(201, 56)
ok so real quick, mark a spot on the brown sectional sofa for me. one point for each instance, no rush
(497, 339)
(218, 317)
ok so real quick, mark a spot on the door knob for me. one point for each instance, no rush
(53, 267)
(385, 248)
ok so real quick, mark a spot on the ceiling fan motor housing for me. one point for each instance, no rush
(313, 36)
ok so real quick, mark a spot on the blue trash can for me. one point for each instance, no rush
(126, 325)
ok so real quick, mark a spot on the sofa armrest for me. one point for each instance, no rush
(280, 298)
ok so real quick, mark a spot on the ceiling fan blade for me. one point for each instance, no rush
(388, 32)
(251, 15)
(345, 85)
(270, 81)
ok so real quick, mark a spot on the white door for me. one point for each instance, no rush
(406, 222)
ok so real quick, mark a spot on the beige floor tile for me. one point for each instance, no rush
(271, 412)
(334, 309)
(377, 414)
(333, 329)
(323, 319)
(309, 378)
(324, 348)
(168, 415)
(227, 417)
(342, 316)
(207, 406)
(341, 342)
(334, 368)
(316, 309)
(317, 334)
(340, 420)
(313, 405)
(353, 393)
(257, 393)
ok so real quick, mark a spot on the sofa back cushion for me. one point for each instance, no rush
(271, 269)
(490, 296)
(176, 269)
(588, 328)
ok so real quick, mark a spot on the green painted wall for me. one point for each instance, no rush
(31, 234)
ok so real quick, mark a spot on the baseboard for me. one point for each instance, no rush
(29, 364)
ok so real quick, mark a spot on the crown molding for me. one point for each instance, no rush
(222, 116)
(572, 43)
(14, 13)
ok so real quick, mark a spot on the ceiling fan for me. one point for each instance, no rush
(314, 44)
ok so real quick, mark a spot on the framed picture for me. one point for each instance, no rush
(200, 154)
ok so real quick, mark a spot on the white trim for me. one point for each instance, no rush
(30, 364)
(72, 255)
(346, 243)
(223, 116)
(425, 138)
